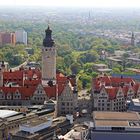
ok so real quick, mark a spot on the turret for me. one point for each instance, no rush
(48, 41)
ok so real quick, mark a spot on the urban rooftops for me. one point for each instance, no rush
(109, 120)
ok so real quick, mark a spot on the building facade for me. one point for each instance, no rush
(67, 102)
(7, 38)
(112, 93)
(21, 37)
(31, 87)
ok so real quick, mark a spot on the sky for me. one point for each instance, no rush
(72, 3)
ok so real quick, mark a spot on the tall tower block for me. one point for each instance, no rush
(48, 59)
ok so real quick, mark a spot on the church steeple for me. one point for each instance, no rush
(133, 39)
(48, 41)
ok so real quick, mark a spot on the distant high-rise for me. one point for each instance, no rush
(21, 36)
(7, 38)
(133, 39)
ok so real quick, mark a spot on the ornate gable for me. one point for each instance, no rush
(120, 93)
(103, 93)
(39, 96)
(130, 93)
(17, 94)
(39, 90)
(68, 90)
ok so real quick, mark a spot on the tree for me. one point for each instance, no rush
(88, 57)
(68, 60)
(75, 68)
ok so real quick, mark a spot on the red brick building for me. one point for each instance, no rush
(7, 38)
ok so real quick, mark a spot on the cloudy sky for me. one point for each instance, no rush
(74, 3)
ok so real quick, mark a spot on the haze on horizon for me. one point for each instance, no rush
(73, 3)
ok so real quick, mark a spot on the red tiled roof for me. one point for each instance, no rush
(31, 72)
(51, 91)
(16, 76)
(119, 80)
(33, 83)
(112, 84)
(111, 81)
(112, 92)
(25, 92)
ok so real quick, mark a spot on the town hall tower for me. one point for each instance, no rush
(48, 59)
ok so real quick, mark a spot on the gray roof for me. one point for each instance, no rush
(7, 113)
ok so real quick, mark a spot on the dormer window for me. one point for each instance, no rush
(103, 94)
(8, 96)
(17, 95)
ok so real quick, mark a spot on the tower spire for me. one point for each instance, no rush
(133, 39)
(48, 41)
(48, 59)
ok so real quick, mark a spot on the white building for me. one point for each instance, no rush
(21, 36)
(36, 125)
